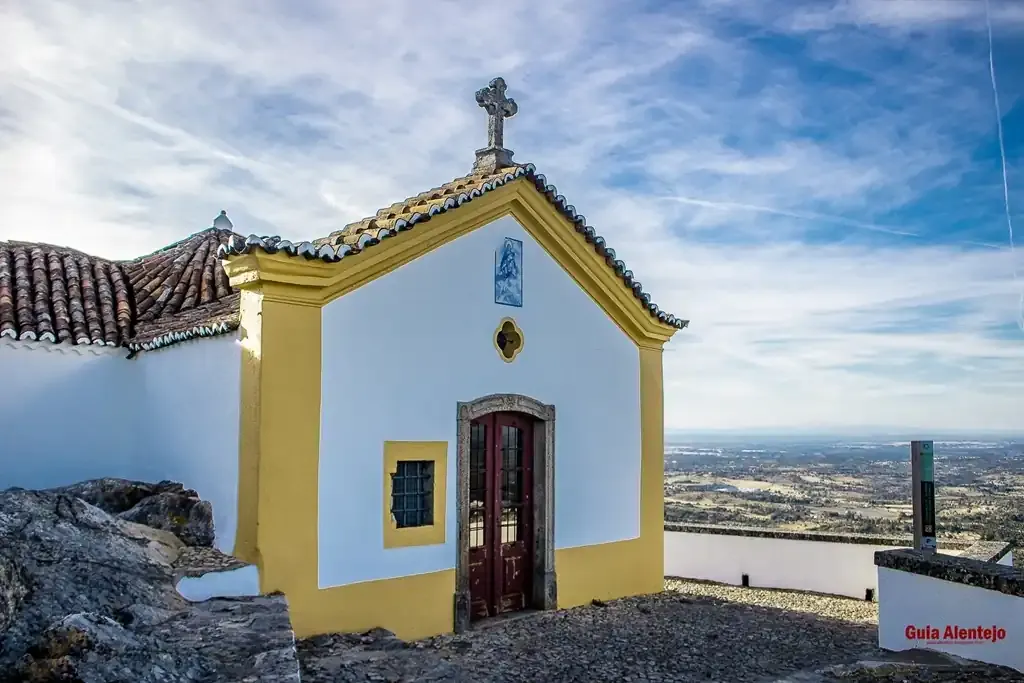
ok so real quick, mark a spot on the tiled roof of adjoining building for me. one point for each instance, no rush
(61, 295)
(182, 292)
(57, 294)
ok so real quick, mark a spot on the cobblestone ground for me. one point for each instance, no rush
(691, 632)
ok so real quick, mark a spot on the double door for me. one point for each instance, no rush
(500, 514)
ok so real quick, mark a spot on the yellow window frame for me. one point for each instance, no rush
(435, 452)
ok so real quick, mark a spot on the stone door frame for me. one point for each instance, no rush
(544, 592)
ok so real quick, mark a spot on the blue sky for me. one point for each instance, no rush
(816, 185)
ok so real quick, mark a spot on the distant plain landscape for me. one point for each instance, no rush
(845, 484)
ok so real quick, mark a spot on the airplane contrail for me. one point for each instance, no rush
(1002, 158)
(803, 215)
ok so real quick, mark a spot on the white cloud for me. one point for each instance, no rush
(904, 14)
(760, 198)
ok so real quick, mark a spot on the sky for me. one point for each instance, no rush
(816, 185)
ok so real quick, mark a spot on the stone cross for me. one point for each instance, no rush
(498, 107)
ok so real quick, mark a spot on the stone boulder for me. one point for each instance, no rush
(166, 505)
(180, 512)
(114, 495)
(87, 597)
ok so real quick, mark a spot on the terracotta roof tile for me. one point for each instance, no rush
(180, 277)
(58, 294)
(207, 320)
(356, 235)
(182, 291)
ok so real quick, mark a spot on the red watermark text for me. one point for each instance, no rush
(952, 634)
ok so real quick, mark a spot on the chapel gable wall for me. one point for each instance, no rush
(401, 352)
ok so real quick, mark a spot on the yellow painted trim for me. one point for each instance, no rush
(634, 567)
(435, 452)
(315, 282)
(652, 464)
(591, 272)
(517, 330)
(411, 607)
(251, 309)
(279, 438)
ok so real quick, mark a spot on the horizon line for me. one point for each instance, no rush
(888, 432)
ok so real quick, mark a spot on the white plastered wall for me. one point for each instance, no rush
(69, 414)
(402, 351)
(835, 568)
(906, 599)
(192, 402)
(234, 583)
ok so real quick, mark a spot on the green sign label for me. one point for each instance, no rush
(927, 464)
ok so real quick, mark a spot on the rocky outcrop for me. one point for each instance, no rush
(166, 505)
(12, 592)
(88, 597)
(908, 666)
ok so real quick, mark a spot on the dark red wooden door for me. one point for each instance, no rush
(500, 513)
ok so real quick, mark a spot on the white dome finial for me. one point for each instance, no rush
(222, 222)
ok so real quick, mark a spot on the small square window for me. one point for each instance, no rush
(415, 493)
(412, 493)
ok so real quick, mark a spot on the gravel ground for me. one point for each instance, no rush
(827, 606)
(691, 632)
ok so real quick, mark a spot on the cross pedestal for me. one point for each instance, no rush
(498, 107)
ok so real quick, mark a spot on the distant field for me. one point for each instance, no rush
(859, 487)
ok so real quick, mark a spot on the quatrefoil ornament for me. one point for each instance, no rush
(508, 339)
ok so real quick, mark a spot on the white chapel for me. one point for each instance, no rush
(444, 412)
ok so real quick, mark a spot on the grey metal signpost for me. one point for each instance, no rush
(923, 470)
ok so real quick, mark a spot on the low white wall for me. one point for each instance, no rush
(912, 601)
(234, 583)
(192, 403)
(68, 414)
(823, 567)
